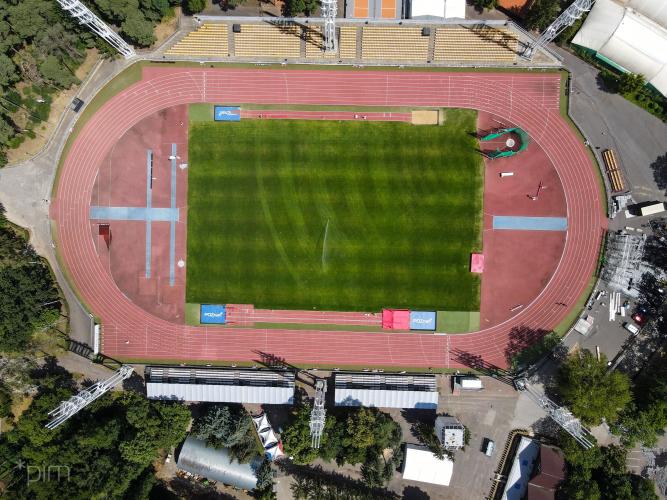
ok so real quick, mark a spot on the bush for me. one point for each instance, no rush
(195, 6)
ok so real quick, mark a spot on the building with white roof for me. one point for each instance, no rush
(450, 432)
(420, 464)
(630, 35)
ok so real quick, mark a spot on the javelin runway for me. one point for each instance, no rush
(527, 100)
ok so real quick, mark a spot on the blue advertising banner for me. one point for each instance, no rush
(422, 320)
(213, 313)
(226, 114)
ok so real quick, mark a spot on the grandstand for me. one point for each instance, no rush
(220, 385)
(260, 40)
(413, 42)
(475, 43)
(394, 42)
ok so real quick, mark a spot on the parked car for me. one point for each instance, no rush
(632, 328)
(490, 447)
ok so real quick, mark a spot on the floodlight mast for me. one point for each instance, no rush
(79, 401)
(561, 415)
(87, 18)
(329, 11)
(565, 20)
(318, 413)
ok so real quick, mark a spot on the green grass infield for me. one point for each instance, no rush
(335, 215)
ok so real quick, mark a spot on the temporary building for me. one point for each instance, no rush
(630, 35)
(420, 464)
(216, 464)
(469, 383)
(448, 9)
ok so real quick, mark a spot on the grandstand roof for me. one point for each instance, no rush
(448, 9)
(631, 35)
(220, 385)
(386, 391)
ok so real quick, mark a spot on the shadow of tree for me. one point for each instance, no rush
(416, 417)
(477, 363)
(135, 383)
(322, 480)
(607, 82)
(414, 493)
(184, 488)
(659, 167)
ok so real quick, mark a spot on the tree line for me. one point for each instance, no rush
(108, 448)
(41, 48)
(351, 435)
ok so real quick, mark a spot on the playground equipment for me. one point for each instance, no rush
(510, 143)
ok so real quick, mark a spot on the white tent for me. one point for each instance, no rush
(448, 9)
(421, 465)
(632, 35)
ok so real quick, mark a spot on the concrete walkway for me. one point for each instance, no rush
(25, 192)
(610, 121)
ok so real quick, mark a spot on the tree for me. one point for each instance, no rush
(224, 427)
(58, 74)
(264, 475)
(643, 426)
(8, 73)
(599, 473)
(590, 391)
(138, 30)
(293, 8)
(425, 433)
(5, 401)
(195, 6)
(542, 13)
(296, 436)
(485, 4)
(629, 83)
(106, 448)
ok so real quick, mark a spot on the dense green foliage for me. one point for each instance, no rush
(195, 6)
(542, 13)
(630, 82)
(106, 449)
(316, 484)
(354, 436)
(590, 391)
(646, 420)
(228, 427)
(485, 4)
(528, 352)
(295, 7)
(332, 215)
(135, 18)
(41, 47)
(600, 473)
(425, 433)
(5, 401)
(28, 295)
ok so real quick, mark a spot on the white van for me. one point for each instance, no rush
(632, 328)
(490, 447)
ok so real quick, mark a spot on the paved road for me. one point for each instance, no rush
(610, 121)
(25, 192)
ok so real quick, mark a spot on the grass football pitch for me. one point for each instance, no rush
(330, 215)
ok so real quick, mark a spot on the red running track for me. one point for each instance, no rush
(528, 100)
